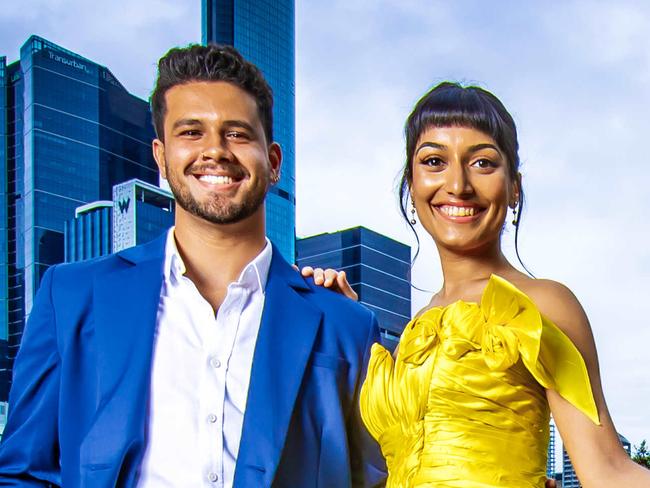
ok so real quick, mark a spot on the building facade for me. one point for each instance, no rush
(569, 477)
(550, 461)
(72, 132)
(89, 234)
(377, 268)
(138, 213)
(5, 371)
(264, 31)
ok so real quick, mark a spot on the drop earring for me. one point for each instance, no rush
(515, 216)
(413, 221)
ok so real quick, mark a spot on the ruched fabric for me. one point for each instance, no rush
(464, 403)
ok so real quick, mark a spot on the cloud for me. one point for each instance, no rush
(127, 37)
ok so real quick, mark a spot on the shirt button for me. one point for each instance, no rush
(215, 363)
(213, 477)
(212, 418)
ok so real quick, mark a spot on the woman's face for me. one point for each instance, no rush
(461, 187)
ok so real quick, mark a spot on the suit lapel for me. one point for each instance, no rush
(125, 308)
(284, 343)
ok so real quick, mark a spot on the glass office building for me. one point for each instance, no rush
(263, 31)
(89, 234)
(5, 371)
(376, 266)
(138, 213)
(72, 133)
(550, 460)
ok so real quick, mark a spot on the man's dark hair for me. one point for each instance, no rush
(213, 62)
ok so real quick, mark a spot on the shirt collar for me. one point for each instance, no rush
(253, 276)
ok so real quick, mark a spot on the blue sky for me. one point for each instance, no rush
(574, 74)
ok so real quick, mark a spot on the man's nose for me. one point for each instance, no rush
(216, 149)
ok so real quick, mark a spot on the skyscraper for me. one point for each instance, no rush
(5, 371)
(376, 266)
(569, 477)
(72, 132)
(263, 31)
(550, 461)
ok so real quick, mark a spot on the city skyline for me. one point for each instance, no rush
(575, 75)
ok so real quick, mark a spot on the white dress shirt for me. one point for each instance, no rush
(200, 376)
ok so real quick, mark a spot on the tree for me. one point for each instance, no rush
(641, 454)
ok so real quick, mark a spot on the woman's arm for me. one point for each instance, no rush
(595, 450)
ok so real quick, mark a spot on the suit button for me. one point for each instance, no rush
(213, 477)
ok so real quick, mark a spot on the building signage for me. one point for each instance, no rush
(123, 216)
(69, 62)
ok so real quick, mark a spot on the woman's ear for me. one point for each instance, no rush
(515, 191)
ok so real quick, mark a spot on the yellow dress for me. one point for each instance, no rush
(464, 404)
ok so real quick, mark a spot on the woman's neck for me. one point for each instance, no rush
(466, 273)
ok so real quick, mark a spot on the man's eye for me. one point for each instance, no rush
(190, 133)
(235, 135)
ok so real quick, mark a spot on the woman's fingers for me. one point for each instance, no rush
(344, 286)
(330, 278)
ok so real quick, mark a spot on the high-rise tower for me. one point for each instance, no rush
(69, 131)
(263, 32)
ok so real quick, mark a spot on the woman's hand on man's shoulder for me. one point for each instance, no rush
(330, 278)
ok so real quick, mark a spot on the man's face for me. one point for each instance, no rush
(215, 156)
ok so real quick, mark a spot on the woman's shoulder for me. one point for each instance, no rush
(557, 303)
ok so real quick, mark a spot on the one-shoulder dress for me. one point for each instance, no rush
(464, 403)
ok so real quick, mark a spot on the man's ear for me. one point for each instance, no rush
(275, 158)
(158, 149)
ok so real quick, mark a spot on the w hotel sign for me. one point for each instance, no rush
(141, 211)
(124, 228)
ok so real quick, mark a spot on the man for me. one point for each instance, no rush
(201, 358)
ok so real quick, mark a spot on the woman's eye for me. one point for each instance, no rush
(483, 164)
(433, 162)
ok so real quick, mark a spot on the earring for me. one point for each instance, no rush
(413, 221)
(515, 216)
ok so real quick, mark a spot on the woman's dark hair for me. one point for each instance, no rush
(453, 105)
(213, 62)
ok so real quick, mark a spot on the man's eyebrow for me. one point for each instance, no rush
(184, 122)
(434, 145)
(239, 123)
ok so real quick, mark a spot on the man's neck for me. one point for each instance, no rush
(215, 255)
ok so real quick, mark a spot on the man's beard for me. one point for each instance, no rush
(217, 209)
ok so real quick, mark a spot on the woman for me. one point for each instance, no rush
(466, 401)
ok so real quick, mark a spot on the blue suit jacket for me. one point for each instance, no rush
(79, 400)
